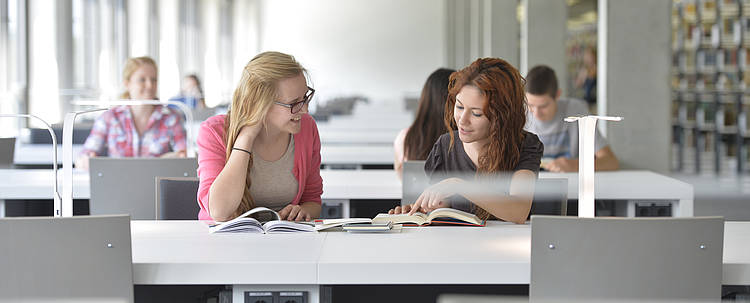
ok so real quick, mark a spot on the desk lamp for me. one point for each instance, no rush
(586, 136)
(55, 194)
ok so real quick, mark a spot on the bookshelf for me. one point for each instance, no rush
(710, 77)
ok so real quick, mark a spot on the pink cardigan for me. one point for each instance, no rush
(212, 158)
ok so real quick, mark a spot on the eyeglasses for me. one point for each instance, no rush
(297, 106)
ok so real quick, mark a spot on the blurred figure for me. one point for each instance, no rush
(191, 92)
(415, 142)
(586, 78)
(139, 130)
(545, 118)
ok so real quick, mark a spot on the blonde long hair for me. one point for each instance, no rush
(257, 90)
(131, 66)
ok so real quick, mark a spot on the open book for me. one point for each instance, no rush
(325, 224)
(440, 216)
(245, 223)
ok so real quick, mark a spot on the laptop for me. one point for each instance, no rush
(413, 182)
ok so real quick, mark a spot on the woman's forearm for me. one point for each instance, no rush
(513, 207)
(227, 189)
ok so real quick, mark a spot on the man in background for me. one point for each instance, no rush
(545, 118)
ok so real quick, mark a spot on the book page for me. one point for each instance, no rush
(259, 210)
(279, 226)
(454, 214)
(331, 223)
(237, 225)
(243, 223)
(416, 218)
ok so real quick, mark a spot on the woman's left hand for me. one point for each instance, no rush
(176, 154)
(297, 213)
(436, 196)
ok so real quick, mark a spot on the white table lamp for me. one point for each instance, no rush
(586, 151)
(55, 194)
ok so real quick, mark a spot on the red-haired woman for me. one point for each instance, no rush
(487, 102)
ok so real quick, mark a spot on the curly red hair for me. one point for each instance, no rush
(503, 86)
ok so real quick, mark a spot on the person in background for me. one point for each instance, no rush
(191, 92)
(486, 103)
(266, 150)
(586, 78)
(545, 118)
(136, 130)
(415, 142)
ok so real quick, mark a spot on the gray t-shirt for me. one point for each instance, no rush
(273, 183)
(560, 138)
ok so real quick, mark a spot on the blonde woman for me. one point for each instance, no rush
(266, 150)
(136, 131)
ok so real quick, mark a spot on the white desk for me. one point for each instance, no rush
(634, 185)
(39, 154)
(368, 123)
(356, 154)
(182, 252)
(36, 184)
(374, 137)
(497, 254)
(384, 184)
(339, 153)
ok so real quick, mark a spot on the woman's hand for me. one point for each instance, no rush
(247, 136)
(562, 165)
(403, 209)
(304, 212)
(175, 154)
(436, 196)
(82, 162)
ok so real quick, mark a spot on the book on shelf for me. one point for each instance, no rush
(440, 216)
(249, 222)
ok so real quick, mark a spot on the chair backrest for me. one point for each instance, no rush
(126, 185)
(413, 182)
(7, 147)
(550, 197)
(73, 259)
(176, 198)
(626, 259)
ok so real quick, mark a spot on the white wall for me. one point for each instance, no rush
(381, 49)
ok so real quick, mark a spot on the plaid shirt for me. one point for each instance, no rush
(114, 134)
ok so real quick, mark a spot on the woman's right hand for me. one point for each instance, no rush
(404, 209)
(247, 136)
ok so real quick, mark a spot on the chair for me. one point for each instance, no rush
(73, 259)
(550, 197)
(126, 185)
(626, 259)
(7, 147)
(176, 198)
